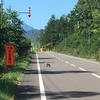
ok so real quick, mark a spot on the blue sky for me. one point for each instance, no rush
(41, 10)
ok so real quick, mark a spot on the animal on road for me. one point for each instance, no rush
(47, 64)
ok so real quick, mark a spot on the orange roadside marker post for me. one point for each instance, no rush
(9, 55)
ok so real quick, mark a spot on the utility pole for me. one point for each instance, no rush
(1, 12)
(89, 33)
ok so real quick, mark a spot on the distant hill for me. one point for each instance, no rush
(27, 27)
(31, 33)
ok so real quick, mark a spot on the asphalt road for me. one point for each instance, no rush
(68, 78)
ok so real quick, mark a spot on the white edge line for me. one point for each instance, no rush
(42, 91)
(96, 75)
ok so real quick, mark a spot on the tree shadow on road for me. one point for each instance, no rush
(64, 72)
(25, 92)
(43, 58)
(70, 94)
(30, 92)
(56, 72)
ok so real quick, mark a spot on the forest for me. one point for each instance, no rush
(77, 33)
(11, 32)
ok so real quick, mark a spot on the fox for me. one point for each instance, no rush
(47, 64)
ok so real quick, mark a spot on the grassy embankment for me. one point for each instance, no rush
(79, 51)
(10, 78)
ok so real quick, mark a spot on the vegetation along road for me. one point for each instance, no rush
(68, 78)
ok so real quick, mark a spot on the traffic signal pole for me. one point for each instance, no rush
(29, 13)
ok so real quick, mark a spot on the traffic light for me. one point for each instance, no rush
(29, 15)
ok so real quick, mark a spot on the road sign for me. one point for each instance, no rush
(9, 55)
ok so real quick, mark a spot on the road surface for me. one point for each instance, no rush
(68, 78)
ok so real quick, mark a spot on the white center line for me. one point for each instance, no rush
(66, 62)
(42, 91)
(82, 69)
(59, 58)
(96, 75)
(72, 65)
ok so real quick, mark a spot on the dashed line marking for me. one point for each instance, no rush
(72, 65)
(82, 69)
(96, 75)
(79, 67)
(66, 62)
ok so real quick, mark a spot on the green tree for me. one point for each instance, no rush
(39, 38)
(11, 31)
(50, 33)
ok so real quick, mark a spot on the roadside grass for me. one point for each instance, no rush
(10, 79)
